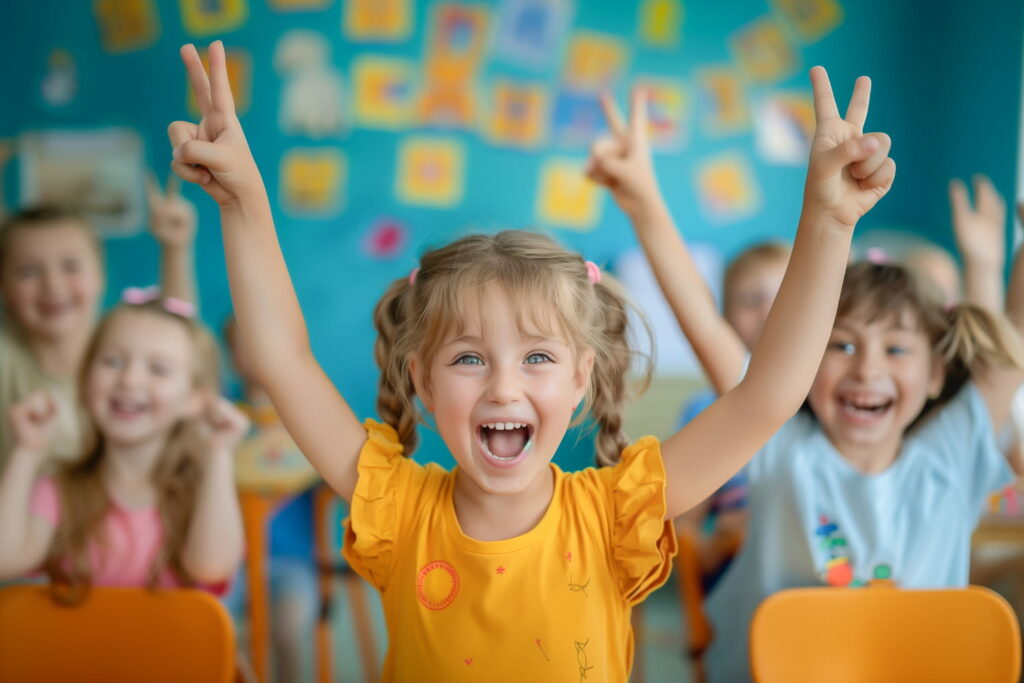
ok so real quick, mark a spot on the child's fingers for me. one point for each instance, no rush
(191, 174)
(824, 101)
(832, 161)
(180, 132)
(172, 188)
(988, 200)
(197, 77)
(220, 87)
(862, 169)
(605, 146)
(202, 153)
(882, 178)
(958, 201)
(857, 110)
(638, 114)
(616, 124)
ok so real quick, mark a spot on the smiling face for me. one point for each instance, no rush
(140, 380)
(502, 390)
(873, 381)
(51, 279)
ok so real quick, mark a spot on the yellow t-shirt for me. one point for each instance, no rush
(550, 605)
(19, 377)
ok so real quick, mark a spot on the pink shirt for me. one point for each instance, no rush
(133, 537)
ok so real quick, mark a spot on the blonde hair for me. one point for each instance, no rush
(416, 317)
(964, 336)
(85, 501)
(42, 217)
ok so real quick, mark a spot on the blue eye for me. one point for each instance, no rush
(843, 347)
(897, 350)
(535, 358)
(468, 359)
(25, 272)
(111, 361)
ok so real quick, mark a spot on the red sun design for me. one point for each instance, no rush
(437, 585)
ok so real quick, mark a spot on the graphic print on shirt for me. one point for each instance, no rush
(437, 584)
(579, 587)
(581, 658)
(838, 570)
(541, 648)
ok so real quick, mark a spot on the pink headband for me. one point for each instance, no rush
(877, 256)
(593, 273)
(412, 275)
(138, 296)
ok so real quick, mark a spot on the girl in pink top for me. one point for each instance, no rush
(152, 502)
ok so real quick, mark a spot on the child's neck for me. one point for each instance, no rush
(493, 517)
(59, 357)
(870, 458)
(128, 472)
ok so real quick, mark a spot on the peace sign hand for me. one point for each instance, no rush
(33, 420)
(222, 425)
(848, 171)
(213, 153)
(980, 230)
(172, 218)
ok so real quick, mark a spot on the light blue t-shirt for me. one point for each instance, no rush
(815, 520)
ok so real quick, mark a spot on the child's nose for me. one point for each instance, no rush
(504, 386)
(869, 364)
(131, 374)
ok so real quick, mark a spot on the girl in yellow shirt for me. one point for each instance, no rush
(507, 569)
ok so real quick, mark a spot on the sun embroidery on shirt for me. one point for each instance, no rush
(581, 658)
(437, 584)
(579, 587)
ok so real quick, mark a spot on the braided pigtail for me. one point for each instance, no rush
(396, 390)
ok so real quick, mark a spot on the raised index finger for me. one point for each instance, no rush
(612, 115)
(857, 110)
(638, 113)
(173, 186)
(197, 77)
(220, 87)
(824, 101)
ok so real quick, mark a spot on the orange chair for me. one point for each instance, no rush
(691, 597)
(117, 635)
(883, 634)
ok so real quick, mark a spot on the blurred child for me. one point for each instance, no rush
(507, 568)
(884, 474)
(152, 502)
(51, 281)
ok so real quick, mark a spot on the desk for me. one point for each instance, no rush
(997, 547)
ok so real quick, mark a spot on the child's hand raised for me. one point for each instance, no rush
(213, 153)
(621, 160)
(172, 218)
(222, 425)
(33, 419)
(848, 171)
(980, 230)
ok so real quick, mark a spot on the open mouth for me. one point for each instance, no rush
(126, 408)
(53, 309)
(865, 408)
(504, 443)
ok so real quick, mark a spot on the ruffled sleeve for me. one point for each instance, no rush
(374, 518)
(643, 541)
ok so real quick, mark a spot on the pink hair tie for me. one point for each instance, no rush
(179, 307)
(593, 273)
(412, 276)
(139, 296)
(877, 256)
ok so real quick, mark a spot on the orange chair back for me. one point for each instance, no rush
(115, 635)
(884, 634)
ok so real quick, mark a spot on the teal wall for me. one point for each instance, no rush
(947, 79)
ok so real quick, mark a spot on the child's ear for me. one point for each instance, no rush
(581, 380)
(419, 381)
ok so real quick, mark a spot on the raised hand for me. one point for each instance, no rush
(222, 425)
(213, 153)
(33, 419)
(980, 229)
(848, 171)
(172, 218)
(621, 160)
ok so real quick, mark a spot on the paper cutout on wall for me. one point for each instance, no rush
(385, 21)
(660, 22)
(529, 32)
(454, 51)
(60, 84)
(313, 181)
(722, 102)
(430, 172)
(126, 25)
(566, 197)
(727, 188)
(667, 112)
(240, 75)
(784, 128)
(811, 19)
(97, 173)
(519, 113)
(384, 91)
(386, 239)
(311, 99)
(762, 51)
(298, 5)
(206, 17)
(595, 61)
(578, 118)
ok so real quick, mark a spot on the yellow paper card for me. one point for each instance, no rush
(519, 114)
(660, 21)
(566, 197)
(667, 109)
(312, 181)
(126, 25)
(377, 20)
(385, 91)
(206, 17)
(430, 172)
(723, 102)
(762, 51)
(595, 61)
(727, 189)
(298, 5)
(812, 19)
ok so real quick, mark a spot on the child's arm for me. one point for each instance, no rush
(172, 220)
(980, 233)
(215, 154)
(213, 547)
(24, 537)
(848, 173)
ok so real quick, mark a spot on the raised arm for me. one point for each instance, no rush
(172, 221)
(980, 237)
(622, 163)
(847, 174)
(24, 537)
(215, 154)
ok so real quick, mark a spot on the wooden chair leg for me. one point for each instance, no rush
(322, 500)
(364, 626)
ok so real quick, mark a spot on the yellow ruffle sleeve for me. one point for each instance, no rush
(643, 541)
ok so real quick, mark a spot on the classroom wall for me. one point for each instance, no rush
(947, 86)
